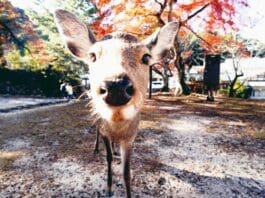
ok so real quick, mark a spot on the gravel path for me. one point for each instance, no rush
(181, 151)
(12, 103)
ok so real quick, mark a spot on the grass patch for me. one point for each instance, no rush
(8, 157)
(259, 135)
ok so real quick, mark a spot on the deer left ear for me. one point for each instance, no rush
(162, 40)
(75, 34)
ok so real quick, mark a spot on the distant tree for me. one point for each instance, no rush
(237, 73)
(33, 42)
(254, 46)
(16, 32)
(46, 29)
(193, 53)
(234, 48)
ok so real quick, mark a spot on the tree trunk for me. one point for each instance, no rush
(3, 61)
(150, 82)
(231, 88)
(165, 77)
(181, 69)
(232, 91)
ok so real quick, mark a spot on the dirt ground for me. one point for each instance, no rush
(185, 147)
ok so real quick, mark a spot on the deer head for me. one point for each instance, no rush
(118, 64)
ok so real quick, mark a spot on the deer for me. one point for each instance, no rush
(119, 70)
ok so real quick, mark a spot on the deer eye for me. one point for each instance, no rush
(146, 58)
(92, 56)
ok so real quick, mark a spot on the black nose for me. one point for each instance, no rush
(118, 91)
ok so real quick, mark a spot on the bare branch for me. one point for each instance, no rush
(170, 4)
(162, 8)
(228, 77)
(157, 71)
(161, 4)
(198, 11)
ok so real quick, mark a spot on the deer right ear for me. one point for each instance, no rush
(75, 34)
(162, 40)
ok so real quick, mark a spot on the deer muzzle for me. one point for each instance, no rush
(117, 91)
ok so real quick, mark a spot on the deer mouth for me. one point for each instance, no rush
(113, 113)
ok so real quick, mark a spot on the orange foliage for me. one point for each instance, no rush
(141, 17)
(101, 29)
(183, 32)
(15, 27)
(101, 3)
(188, 8)
(213, 38)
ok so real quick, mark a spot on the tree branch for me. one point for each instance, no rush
(157, 71)
(161, 4)
(162, 8)
(198, 11)
(228, 77)
(170, 4)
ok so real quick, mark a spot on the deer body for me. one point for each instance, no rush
(118, 66)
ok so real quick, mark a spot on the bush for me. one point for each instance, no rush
(241, 91)
(44, 82)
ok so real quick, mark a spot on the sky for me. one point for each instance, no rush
(254, 18)
(50, 4)
(251, 19)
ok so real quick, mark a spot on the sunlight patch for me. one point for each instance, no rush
(16, 143)
(71, 174)
(169, 107)
(8, 157)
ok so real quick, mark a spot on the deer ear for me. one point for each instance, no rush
(75, 34)
(162, 40)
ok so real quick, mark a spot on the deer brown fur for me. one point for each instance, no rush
(118, 66)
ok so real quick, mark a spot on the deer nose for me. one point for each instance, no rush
(118, 91)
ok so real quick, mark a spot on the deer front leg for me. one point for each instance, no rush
(96, 142)
(109, 161)
(126, 150)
